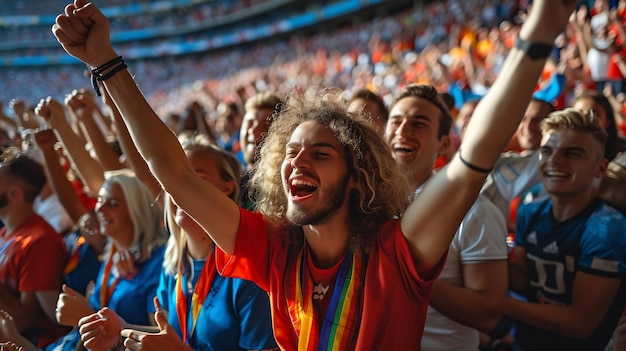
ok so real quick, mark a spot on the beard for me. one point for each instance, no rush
(331, 200)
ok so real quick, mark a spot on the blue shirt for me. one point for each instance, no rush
(131, 299)
(235, 315)
(88, 263)
(593, 241)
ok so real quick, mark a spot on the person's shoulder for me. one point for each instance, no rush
(607, 213)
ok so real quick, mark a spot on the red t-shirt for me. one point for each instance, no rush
(395, 296)
(32, 259)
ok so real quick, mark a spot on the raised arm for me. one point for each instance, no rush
(83, 31)
(430, 222)
(45, 140)
(88, 169)
(134, 159)
(83, 107)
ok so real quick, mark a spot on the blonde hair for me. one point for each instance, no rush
(229, 169)
(574, 119)
(381, 191)
(145, 215)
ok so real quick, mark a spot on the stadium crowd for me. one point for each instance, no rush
(459, 167)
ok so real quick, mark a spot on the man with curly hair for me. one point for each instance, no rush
(346, 264)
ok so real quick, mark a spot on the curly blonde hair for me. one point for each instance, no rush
(381, 192)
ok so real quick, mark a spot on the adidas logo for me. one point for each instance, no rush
(532, 238)
(551, 248)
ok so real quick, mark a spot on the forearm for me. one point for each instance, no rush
(475, 309)
(61, 186)
(554, 318)
(134, 159)
(150, 135)
(502, 108)
(89, 170)
(105, 155)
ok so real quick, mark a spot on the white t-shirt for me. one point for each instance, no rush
(54, 213)
(481, 237)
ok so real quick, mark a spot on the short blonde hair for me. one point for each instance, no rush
(573, 119)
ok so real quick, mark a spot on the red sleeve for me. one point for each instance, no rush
(393, 240)
(250, 259)
(41, 266)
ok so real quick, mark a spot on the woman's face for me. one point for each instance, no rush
(113, 214)
(206, 164)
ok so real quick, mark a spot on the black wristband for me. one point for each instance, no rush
(472, 166)
(535, 51)
(113, 66)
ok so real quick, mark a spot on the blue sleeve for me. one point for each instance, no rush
(602, 248)
(552, 90)
(254, 312)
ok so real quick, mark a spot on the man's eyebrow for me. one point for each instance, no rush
(294, 144)
(404, 115)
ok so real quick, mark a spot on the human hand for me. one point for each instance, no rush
(52, 112)
(45, 139)
(581, 15)
(8, 329)
(80, 103)
(84, 32)
(10, 346)
(71, 307)
(547, 19)
(165, 339)
(101, 331)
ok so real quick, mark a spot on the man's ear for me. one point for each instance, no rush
(601, 168)
(445, 143)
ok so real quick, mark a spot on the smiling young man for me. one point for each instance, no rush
(329, 197)
(465, 297)
(570, 258)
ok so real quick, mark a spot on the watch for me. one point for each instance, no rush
(535, 51)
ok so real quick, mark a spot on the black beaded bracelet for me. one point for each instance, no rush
(473, 167)
(115, 65)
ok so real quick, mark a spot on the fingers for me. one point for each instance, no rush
(160, 317)
(70, 35)
(5, 315)
(133, 338)
(77, 24)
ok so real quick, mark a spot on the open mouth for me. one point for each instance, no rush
(555, 175)
(300, 188)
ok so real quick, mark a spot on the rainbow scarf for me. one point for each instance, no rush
(342, 319)
(200, 292)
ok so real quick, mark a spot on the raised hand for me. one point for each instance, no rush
(101, 331)
(84, 32)
(547, 19)
(45, 139)
(71, 307)
(51, 111)
(165, 340)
